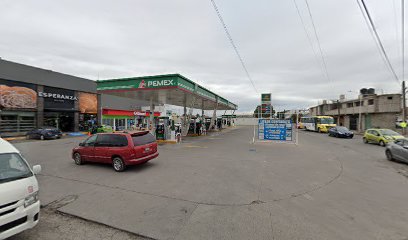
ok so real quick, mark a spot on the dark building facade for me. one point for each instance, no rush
(32, 97)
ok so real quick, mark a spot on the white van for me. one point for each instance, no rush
(19, 203)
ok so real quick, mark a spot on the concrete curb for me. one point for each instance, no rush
(24, 137)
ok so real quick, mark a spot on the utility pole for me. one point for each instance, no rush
(338, 112)
(359, 114)
(404, 114)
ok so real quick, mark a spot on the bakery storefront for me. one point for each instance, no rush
(18, 107)
(24, 106)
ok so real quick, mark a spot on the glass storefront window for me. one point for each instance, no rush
(16, 123)
(87, 121)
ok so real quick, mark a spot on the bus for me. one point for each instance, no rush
(317, 123)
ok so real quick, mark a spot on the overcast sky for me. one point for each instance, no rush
(103, 39)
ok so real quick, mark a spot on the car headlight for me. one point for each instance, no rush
(31, 199)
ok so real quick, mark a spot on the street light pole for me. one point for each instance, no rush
(338, 112)
(404, 113)
(359, 115)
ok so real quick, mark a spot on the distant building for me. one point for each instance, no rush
(289, 113)
(380, 111)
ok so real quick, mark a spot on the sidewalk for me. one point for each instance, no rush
(69, 134)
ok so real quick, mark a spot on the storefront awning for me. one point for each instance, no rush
(114, 112)
(173, 89)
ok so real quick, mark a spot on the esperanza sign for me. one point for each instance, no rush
(275, 129)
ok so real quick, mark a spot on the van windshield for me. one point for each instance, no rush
(13, 167)
(326, 120)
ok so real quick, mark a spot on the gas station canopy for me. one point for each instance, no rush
(173, 89)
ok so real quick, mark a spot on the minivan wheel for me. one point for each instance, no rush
(118, 164)
(42, 137)
(365, 140)
(78, 159)
(382, 144)
(388, 154)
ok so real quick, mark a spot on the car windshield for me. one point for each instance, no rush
(342, 129)
(13, 167)
(326, 120)
(388, 132)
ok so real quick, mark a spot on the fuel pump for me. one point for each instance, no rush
(162, 130)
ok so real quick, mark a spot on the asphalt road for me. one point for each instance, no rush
(224, 187)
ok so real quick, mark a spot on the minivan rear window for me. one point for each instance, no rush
(143, 139)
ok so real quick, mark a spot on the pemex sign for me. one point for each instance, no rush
(155, 83)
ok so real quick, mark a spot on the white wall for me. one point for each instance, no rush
(246, 121)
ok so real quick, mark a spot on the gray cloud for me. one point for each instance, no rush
(112, 39)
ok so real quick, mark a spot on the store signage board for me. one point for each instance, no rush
(275, 129)
(155, 83)
(57, 96)
(266, 98)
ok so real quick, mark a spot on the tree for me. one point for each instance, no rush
(293, 117)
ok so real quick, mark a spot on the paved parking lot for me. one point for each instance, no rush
(224, 187)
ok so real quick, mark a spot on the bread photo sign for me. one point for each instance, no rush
(17, 97)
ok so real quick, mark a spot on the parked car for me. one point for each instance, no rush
(44, 133)
(118, 149)
(101, 129)
(381, 136)
(19, 203)
(340, 132)
(397, 150)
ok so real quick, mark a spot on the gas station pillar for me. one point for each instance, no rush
(151, 124)
(214, 116)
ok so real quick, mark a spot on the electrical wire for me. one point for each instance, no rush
(377, 38)
(233, 44)
(307, 35)
(396, 26)
(318, 41)
(403, 37)
(373, 36)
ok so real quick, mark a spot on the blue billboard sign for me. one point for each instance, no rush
(275, 129)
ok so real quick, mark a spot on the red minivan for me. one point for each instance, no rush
(118, 149)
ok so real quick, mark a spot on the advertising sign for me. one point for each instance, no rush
(155, 83)
(17, 95)
(265, 98)
(88, 103)
(266, 108)
(275, 129)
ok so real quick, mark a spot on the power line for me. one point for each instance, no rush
(377, 37)
(307, 34)
(372, 35)
(396, 26)
(233, 44)
(403, 37)
(318, 41)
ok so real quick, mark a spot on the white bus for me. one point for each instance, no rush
(317, 123)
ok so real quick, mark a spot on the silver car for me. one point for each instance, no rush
(397, 150)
